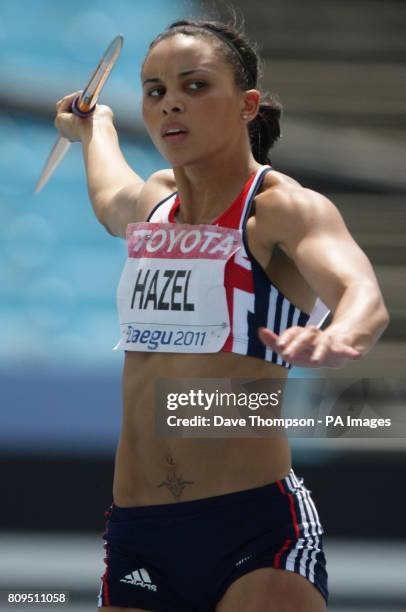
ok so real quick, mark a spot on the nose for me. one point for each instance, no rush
(173, 109)
(171, 106)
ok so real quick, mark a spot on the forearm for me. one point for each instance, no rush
(360, 315)
(107, 170)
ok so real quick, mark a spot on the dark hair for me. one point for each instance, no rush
(264, 130)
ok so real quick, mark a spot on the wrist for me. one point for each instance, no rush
(99, 123)
(355, 337)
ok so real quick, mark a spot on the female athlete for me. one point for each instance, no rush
(230, 254)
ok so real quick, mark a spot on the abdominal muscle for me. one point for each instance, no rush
(151, 470)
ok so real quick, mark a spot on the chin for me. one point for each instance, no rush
(180, 159)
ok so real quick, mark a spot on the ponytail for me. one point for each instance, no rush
(265, 130)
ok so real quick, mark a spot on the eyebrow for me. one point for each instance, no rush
(183, 73)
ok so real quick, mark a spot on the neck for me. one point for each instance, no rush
(208, 188)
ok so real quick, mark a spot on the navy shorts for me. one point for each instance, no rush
(182, 557)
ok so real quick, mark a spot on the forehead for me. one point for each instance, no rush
(182, 51)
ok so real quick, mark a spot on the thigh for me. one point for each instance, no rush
(271, 590)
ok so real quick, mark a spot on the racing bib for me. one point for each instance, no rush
(171, 296)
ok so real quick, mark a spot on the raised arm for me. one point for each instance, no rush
(115, 190)
(311, 231)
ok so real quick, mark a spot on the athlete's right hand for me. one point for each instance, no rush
(75, 128)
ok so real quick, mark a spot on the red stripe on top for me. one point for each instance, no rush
(240, 277)
(236, 277)
(228, 274)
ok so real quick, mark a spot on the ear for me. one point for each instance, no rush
(250, 104)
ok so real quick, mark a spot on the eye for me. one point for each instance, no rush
(196, 85)
(155, 92)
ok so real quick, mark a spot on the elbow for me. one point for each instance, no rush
(379, 321)
(100, 210)
(383, 318)
(379, 314)
(107, 227)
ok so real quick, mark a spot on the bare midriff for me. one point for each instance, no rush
(155, 470)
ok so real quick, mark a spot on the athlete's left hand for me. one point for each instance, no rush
(310, 347)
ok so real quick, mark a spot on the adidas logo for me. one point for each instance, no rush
(243, 560)
(140, 578)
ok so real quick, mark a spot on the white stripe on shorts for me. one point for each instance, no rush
(302, 553)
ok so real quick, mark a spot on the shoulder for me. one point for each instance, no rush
(285, 208)
(284, 195)
(157, 187)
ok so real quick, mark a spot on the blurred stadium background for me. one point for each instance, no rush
(338, 68)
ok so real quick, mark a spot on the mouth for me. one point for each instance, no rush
(174, 133)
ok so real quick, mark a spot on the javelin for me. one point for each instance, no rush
(82, 106)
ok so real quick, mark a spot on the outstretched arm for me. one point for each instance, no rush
(310, 230)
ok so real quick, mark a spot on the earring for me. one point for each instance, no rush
(244, 116)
